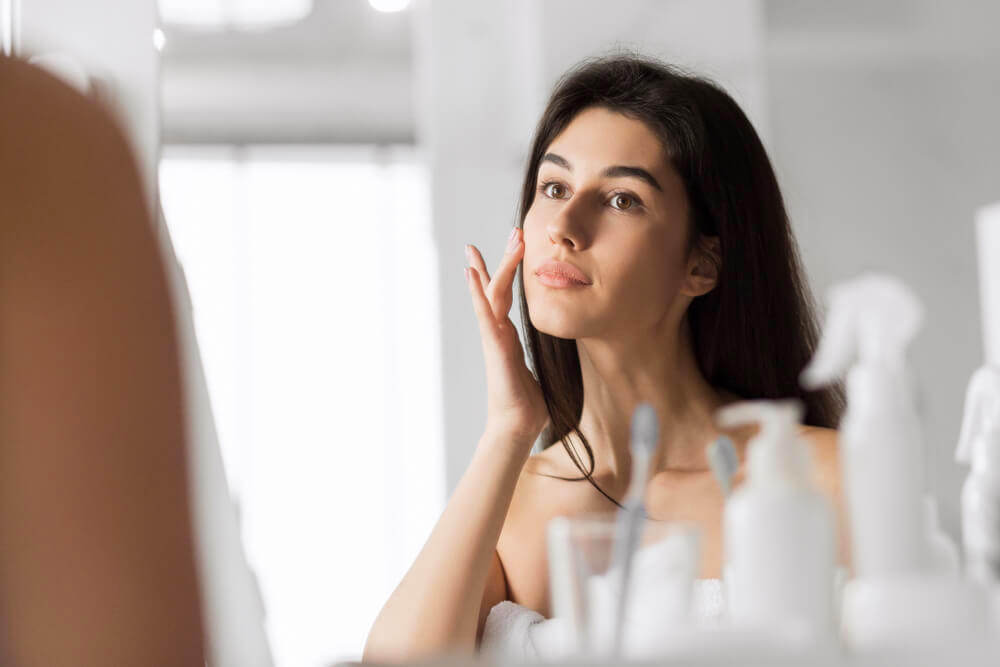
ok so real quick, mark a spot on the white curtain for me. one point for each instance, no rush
(313, 276)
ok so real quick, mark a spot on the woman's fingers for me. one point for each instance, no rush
(476, 262)
(484, 313)
(500, 289)
(497, 290)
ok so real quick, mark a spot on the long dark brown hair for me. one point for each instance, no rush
(756, 330)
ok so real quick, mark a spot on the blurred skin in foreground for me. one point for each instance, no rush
(96, 555)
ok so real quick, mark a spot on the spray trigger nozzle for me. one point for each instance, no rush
(982, 409)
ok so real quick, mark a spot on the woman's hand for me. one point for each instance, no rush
(515, 404)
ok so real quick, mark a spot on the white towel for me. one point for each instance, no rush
(708, 602)
(515, 633)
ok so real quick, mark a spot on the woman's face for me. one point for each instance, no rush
(608, 202)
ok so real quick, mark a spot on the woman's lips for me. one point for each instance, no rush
(561, 274)
(552, 280)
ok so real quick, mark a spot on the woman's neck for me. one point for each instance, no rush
(619, 375)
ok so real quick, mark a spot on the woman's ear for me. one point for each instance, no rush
(703, 268)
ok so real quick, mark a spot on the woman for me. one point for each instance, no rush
(657, 266)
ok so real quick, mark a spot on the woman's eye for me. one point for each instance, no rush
(554, 190)
(622, 202)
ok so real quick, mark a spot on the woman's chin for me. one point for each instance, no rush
(563, 318)
(558, 325)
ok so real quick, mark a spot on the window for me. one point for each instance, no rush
(313, 275)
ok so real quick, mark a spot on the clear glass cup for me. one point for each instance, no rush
(585, 584)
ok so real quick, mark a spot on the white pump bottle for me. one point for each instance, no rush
(779, 531)
(870, 322)
(979, 446)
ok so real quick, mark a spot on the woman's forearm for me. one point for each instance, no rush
(435, 608)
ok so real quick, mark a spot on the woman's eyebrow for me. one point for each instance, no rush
(558, 160)
(611, 172)
(633, 172)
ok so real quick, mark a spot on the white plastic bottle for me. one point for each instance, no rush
(979, 446)
(871, 321)
(779, 531)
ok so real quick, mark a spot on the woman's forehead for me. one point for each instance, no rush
(597, 138)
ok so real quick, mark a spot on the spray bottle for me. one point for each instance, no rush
(779, 530)
(979, 446)
(871, 321)
(979, 442)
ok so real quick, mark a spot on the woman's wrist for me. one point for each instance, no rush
(502, 439)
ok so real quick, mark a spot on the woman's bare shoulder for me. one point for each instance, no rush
(824, 441)
(538, 498)
(825, 449)
(545, 488)
(553, 460)
(817, 431)
(549, 485)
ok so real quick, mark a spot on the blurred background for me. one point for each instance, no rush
(320, 165)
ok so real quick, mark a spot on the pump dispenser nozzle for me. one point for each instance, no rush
(773, 450)
(778, 419)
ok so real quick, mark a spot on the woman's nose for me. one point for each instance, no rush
(569, 224)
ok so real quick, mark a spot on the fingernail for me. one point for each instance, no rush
(512, 240)
(468, 254)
